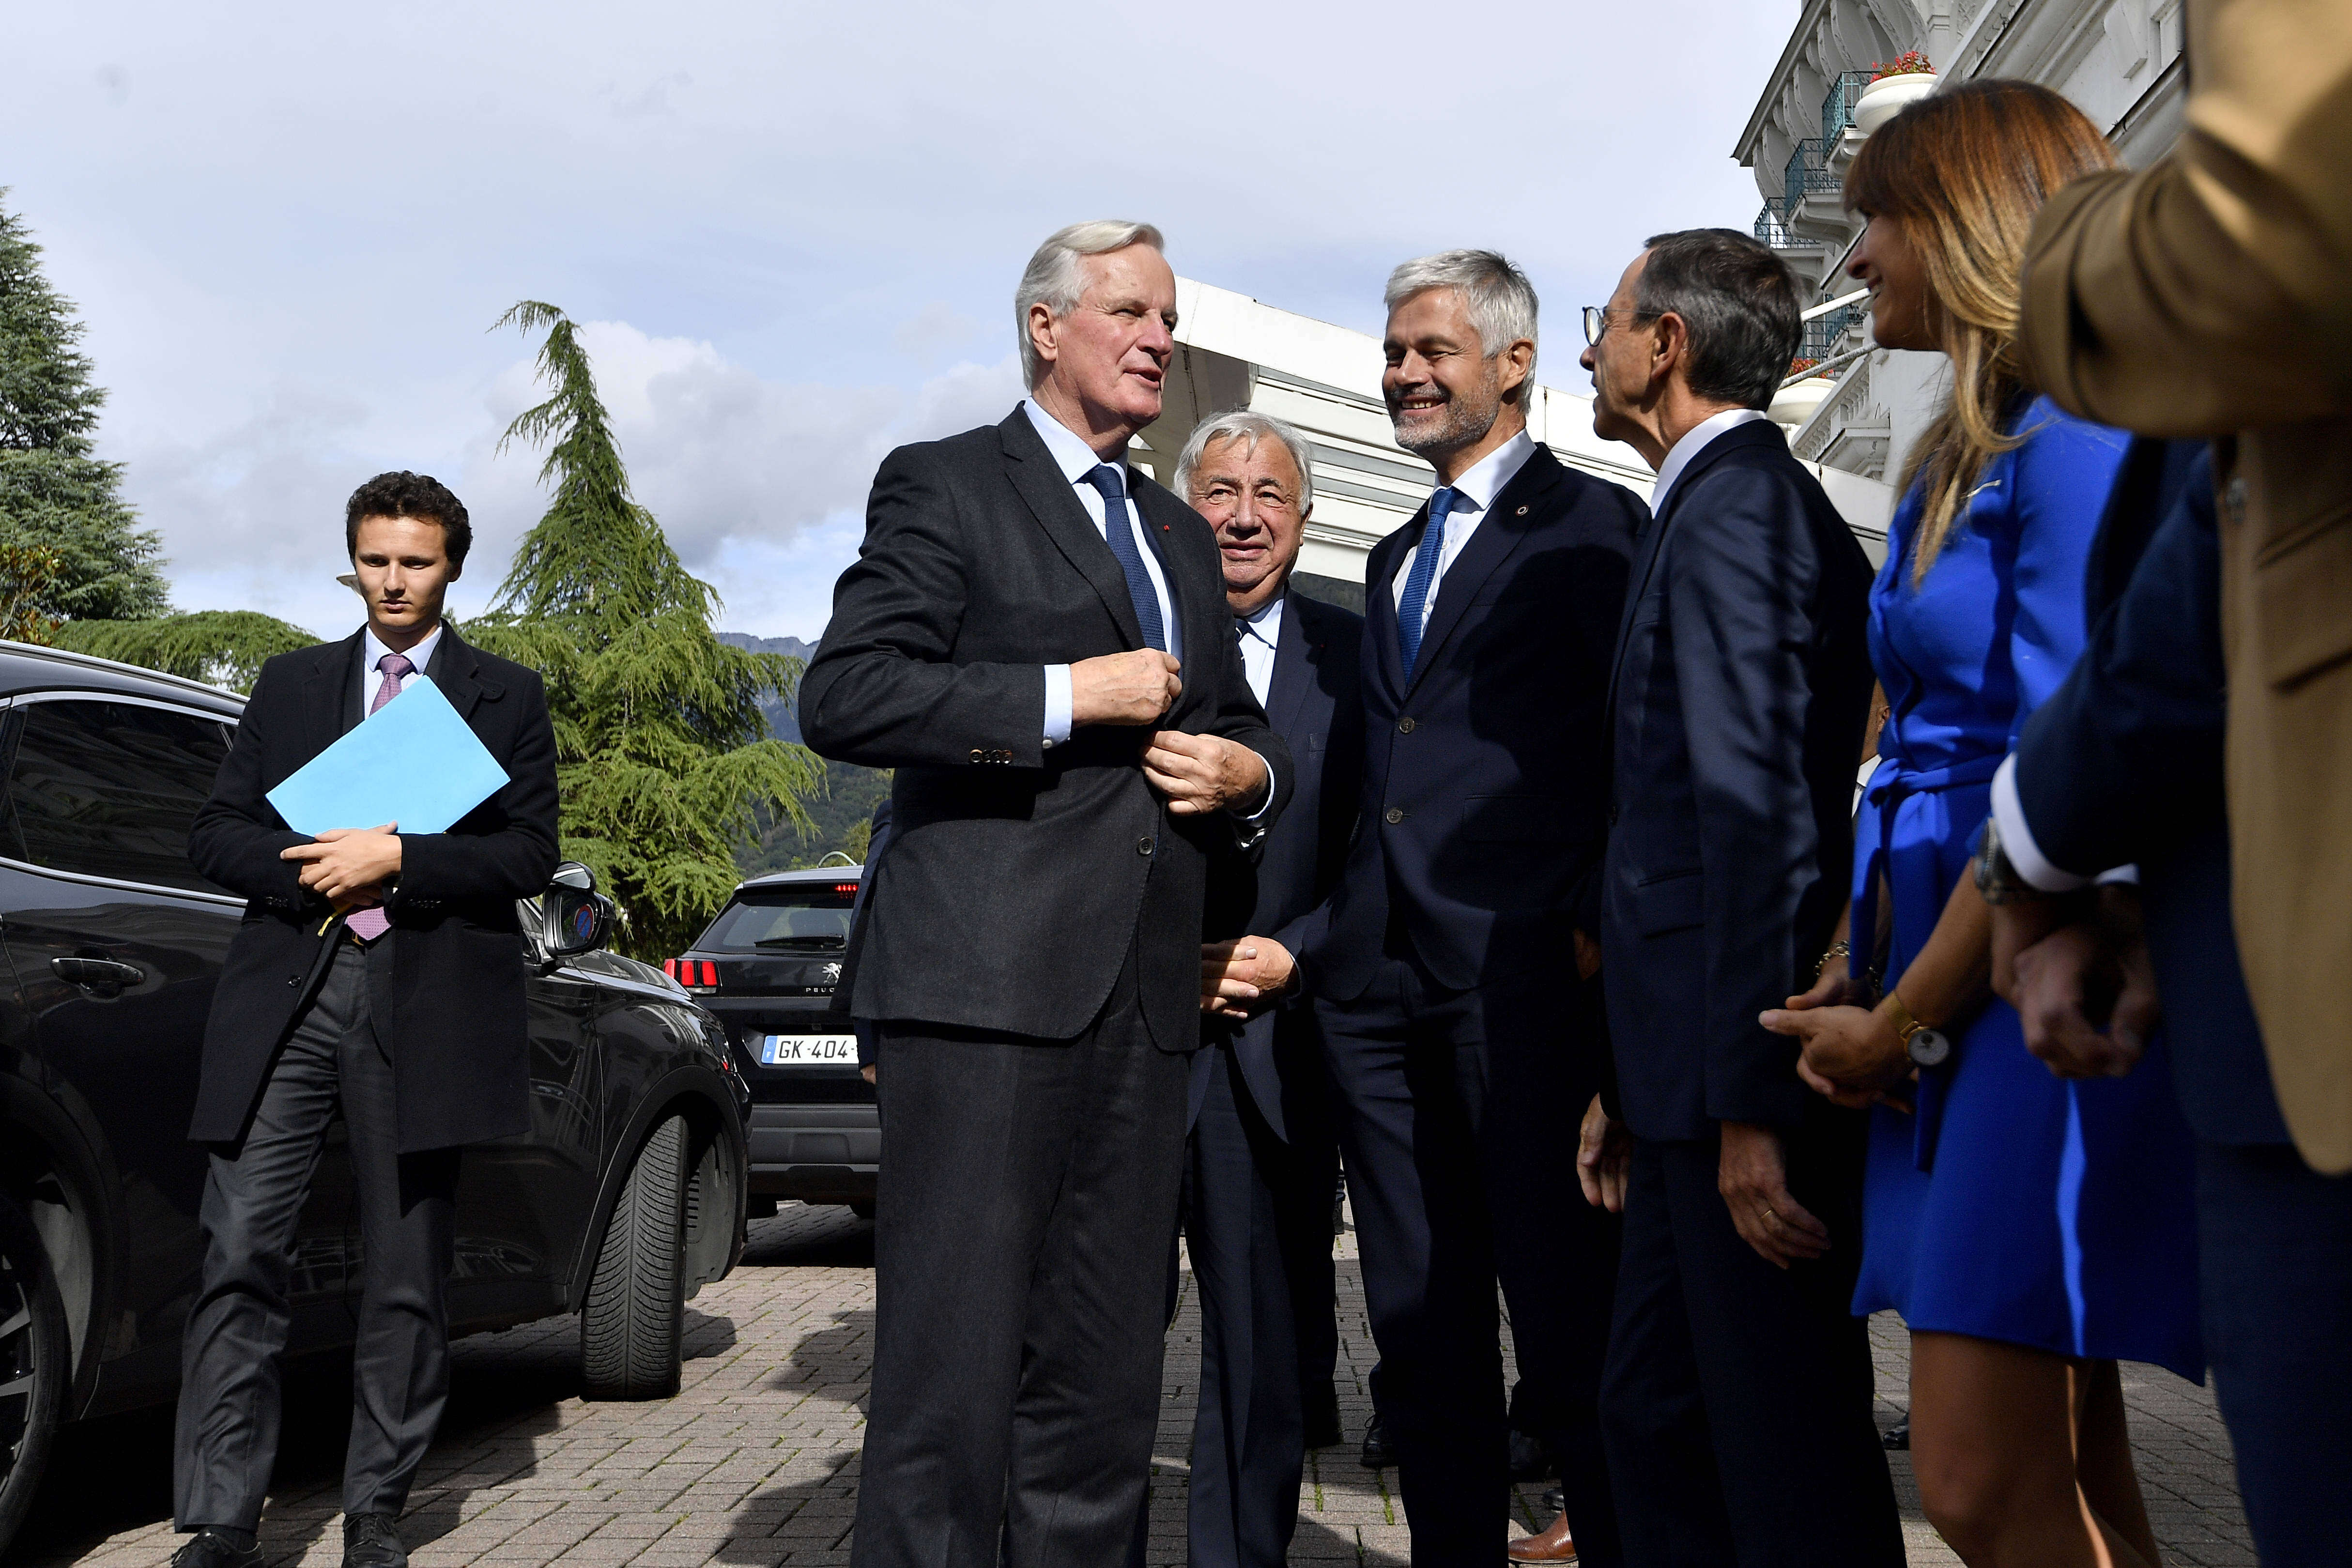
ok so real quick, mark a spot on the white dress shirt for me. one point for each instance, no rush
(2024, 853)
(1078, 460)
(1695, 441)
(1260, 639)
(372, 671)
(1474, 493)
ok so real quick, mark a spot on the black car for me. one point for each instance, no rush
(768, 967)
(625, 1196)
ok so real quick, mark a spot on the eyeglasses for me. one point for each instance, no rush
(1596, 321)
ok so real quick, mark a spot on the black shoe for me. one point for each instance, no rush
(1531, 1460)
(373, 1540)
(1377, 1454)
(207, 1550)
(1554, 1501)
(1897, 1438)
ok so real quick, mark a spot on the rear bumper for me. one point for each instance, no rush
(815, 1152)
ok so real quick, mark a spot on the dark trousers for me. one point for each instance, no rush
(1022, 1217)
(2275, 1243)
(1257, 1220)
(1457, 1113)
(234, 1354)
(1737, 1398)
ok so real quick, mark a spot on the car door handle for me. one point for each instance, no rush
(97, 973)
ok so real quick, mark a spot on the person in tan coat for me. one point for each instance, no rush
(2211, 296)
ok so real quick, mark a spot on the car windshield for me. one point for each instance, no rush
(799, 917)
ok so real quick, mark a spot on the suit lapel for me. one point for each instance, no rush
(452, 668)
(1296, 653)
(1496, 538)
(1038, 481)
(1153, 506)
(331, 695)
(1380, 601)
(1653, 539)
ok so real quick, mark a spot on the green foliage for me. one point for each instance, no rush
(662, 752)
(842, 819)
(55, 494)
(27, 572)
(226, 647)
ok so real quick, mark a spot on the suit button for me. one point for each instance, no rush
(1143, 845)
(1395, 815)
(1404, 726)
(293, 980)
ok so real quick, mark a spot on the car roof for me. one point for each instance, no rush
(794, 879)
(25, 667)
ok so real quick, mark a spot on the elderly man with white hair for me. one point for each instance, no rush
(1260, 1162)
(1035, 636)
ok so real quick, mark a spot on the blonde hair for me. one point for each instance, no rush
(1963, 172)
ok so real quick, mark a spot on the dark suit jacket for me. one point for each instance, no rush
(1742, 683)
(449, 1005)
(1486, 778)
(2124, 765)
(1315, 704)
(1019, 875)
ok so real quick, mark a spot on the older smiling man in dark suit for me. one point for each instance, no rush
(1035, 636)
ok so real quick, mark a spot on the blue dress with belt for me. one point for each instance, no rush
(2011, 1204)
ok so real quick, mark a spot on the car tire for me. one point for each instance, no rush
(35, 1365)
(637, 1296)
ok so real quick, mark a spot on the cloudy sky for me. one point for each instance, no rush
(793, 228)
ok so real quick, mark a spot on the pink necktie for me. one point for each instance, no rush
(370, 924)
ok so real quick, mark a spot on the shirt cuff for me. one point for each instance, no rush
(1263, 806)
(1057, 704)
(2017, 837)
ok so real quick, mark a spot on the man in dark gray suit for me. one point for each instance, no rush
(1262, 1161)
(1036, 637)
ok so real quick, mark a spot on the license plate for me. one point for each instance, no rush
(807, 1051)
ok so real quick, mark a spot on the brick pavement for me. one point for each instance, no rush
(755, 1463)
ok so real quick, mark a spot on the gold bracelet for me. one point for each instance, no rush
(1837, 950)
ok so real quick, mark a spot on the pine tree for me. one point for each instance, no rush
(54, 493)
(226, 647)
(662, 753)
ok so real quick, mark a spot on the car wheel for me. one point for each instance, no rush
(35, 1365)
(637, 1296)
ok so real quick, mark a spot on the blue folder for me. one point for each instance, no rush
(413, 762)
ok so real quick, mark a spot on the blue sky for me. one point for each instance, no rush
(794, 228)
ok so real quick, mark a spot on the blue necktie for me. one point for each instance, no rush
(1120, 534)
(1411, 609)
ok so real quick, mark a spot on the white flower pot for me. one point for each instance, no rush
(1883, 99)
(1792, 405)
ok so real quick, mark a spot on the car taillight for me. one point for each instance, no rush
(694, 973)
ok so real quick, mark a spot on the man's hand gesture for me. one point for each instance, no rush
(1237, 977)
(348, 866)
(1134, 688)
(1201, 773)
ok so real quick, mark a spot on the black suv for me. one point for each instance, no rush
(625, 1196)
(768, 967)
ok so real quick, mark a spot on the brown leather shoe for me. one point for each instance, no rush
(1552, 1546)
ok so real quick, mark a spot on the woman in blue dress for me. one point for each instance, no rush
(2032, 1231)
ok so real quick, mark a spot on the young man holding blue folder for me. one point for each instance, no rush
(375, 970)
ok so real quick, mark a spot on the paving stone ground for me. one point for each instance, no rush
(755, 1463)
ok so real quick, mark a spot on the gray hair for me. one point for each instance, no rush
(1052, 278)
(1738, 302)
(1501, 300)
(1241, 424)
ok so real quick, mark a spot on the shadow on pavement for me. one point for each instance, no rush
(810, 1235)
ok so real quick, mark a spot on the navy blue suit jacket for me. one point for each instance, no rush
(2123, 764)
(1486, 775)
(1742, 683)
(1314, 701)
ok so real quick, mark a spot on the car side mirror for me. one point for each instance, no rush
(575, 917)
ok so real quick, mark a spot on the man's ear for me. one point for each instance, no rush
(1517, 359)
(1669, 349)
(1041, 333)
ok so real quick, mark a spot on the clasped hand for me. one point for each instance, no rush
(1848, 1053)
(1201, 773)
(348, 867)
(2063, 962)
(1239, 977)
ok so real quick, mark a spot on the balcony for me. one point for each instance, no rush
(1823, 333)
(1774, 232)
(1837, 107)
(1809, 194)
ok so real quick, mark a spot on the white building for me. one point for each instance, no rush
(2118, 60)
(1234, 352)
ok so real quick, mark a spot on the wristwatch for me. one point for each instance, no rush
(1927, 1047)
(1998, 881)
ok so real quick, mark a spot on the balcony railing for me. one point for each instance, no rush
(1773, 231)
(1837, 107)
(1807, 173)
(1822, 333)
